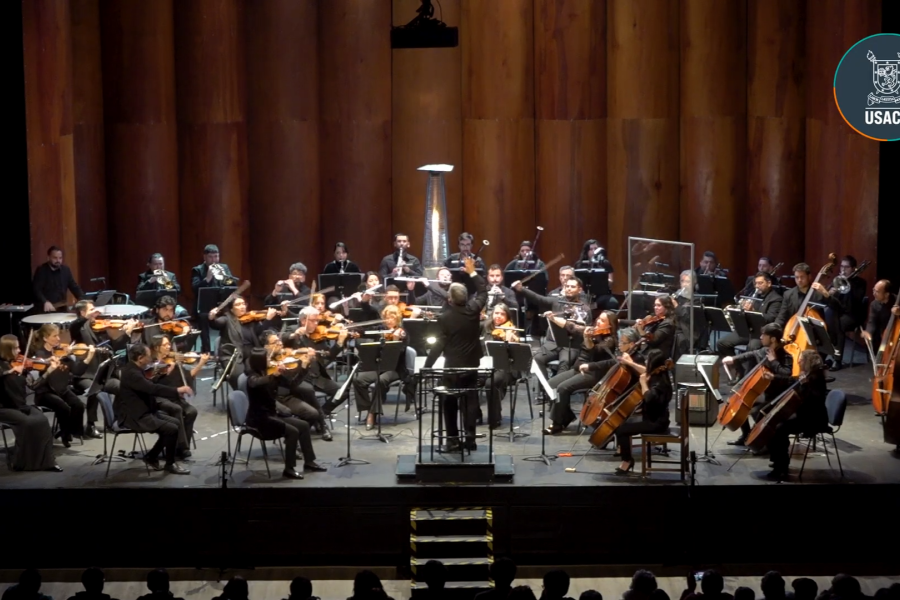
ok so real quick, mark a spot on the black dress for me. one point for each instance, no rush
(34, 440)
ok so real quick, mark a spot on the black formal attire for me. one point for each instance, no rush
(459, 340)
(436, 295)
(412, 268)
(606, 301)
(654, 414)
(144, 283)
(549, 349)
(683, 333)
(341, 266)
(234, 335)
(285, 293)
(811, 418)
(770, 309)
(83, 334)
(179, 408)
(198, 280)
(389, 374)
(305, 408)
(792, 299)
(877, 321)
(317, 377)
(34, 440)
(661, 336)
(844, 313)
(263, 416)
(502, 378)
(507, 297)
(782, 368)
(567, 382)
(55, 392)
(50, 285)
(136, 408)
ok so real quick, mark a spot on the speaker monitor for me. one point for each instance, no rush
(687, 371)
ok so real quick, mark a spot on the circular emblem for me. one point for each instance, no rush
(867, 87)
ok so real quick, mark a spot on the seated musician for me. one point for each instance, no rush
(341, 262)
(685, 300)
(880, 310)
(793, 298)
(54, 389)
(263, 415)
(391, 297)
(526, 259)
(457, 259)
(764, 265)
(393, 327)
(572, 303)
(767, 302)
(598, 350)
(136, 408)
(51, 282)
(291, 288)
(708, 264)
(566, 273)
(499, 293)
(659, 329)
(326, 317)
(845, 310)
(176, 375)
(499, 320)
(657, 392)
(400, 263)
(206, 275)
(34, 440)
(776, 361)
(235, 336)
(164, 311)
(811, 416)
(301, 403)
(157, 278)
(438, 292)
(593, 256)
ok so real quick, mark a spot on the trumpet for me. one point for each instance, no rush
(220, 274)
(162, 278)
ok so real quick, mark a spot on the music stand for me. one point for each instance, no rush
(551, 394)
(349, 460)
(756, 321)
(724, 290)
(818, 335)
(706, 285)
(417, 333)
(209, 298)
(373, 356)
(341, 282)
(149, 297)
(740, 322)
(716, 318)
(511, 357)
(596, 281)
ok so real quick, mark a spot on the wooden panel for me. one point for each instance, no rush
(142, 162)
(47, 39)
(426, 126)
(570, 141)
(713, 129)
(87, 116)
(776, 144)
(283, 132)
(210, 75)
(643, 126)
(355, 135)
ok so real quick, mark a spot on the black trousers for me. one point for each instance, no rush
(630, 428)
(550, 351)
(34, 442)
(165, 427)
(727, 342)
(779, 444)
(330, 389)
(361, 385)
(754, 414)
(80, 386)
(306, 391)
(203, 319)
(838, 327)
(294, 431)
(185, 414)
(502, 380)
(469, 405)
(306, 409)
(567, 383)
(69, 410)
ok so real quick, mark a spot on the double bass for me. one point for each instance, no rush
(885, 360)
(735, 412)
(796, 339)
(784, 408)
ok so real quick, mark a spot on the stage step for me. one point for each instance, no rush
(424, 539)
(457, 585)
(448, 514)
(453, 562)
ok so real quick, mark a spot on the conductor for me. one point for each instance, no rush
(459, 340)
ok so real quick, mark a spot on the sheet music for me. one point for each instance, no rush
(536, 371)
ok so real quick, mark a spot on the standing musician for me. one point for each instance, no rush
(459, 340)
(341, 264)
(263, 416)
(291, 288)
(499, 328)
(810, 418)
(457, 259)
(439, 292)
(880, 311)
(163, 312)
(54, 388)
(175, 374)
(598, 350)
(526, 259)
(393, 326)
(136, 408)
(206, 275)
(497, 292)
(657, 393)
(51, 281)
(157, 278)
(400, 262)
(708, 264)
(769, 302)
(763, 265)
(776, 361)
(549, 349)
(237, 336)
(845, 311)
(659, 330)
(34, 440)
(793, 298)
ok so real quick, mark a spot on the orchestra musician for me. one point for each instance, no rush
(657, 393)
(157, 278)
(769, 302)
(793, 298)
(660, 334)
(593, 257)
(136, 408)
(763, 265)
(235, 336)
(459, 340)
(594, 360)
(437, 293)
(844, 311)
(776, 361)
(880, 310)
(54, 389)
(566, 273)
(393, 327)
(391, 298)
(526, 259)
(400, 262)
(176, 375)
(263, 416)
(304, 406)
(499, 293)
(164, 311)
(708, 264)
(685, 300)
(52, 280)
(291, 288)
(205, 275)
(571, 303)
(34, 440)
(457, 259)
(341, 262)
(499, 320)
(811, 416)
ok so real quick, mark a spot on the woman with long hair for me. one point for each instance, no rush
(501, 322)
(236, 336)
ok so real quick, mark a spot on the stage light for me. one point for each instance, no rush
(431, 340)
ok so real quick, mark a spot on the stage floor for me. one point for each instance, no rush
(865, 457)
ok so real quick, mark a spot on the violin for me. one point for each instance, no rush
(505, 332)
(78, 350)
(650, 321)
(174, 327)
(288, 363)
(187, 358)
(155, 369)
(324, 332)
(33, 364)
(598, 330)
(393, 335)
(103, 324)
(411, 312)
(251, 316)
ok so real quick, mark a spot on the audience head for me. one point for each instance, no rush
(590, 595)
(521, 592)
(366, 584)
(30, 582)
(158, 580)
(659, 594)
(92, 579)
(435, 575)
(301, 588)
(744, 593)
(712, 583)
(643, 582)
(556, 583)
(236, 589)
(772, 585)
(805, 588)
(503, 572)
(845, 587)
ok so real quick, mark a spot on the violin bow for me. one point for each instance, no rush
(528, 278)
(243, 288)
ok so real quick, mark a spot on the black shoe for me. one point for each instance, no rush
(313, 467)
(837, 366)
(291, 474)
(451, 446)
(182, 454)
(470, 446)
(176, 469)
(496, 425)
(761, 452)
(153, 463)
(55, 469)
(741, 441)
(91, 432)
(66, 440)
(777, 474)
(326, 435)
(553, 430)
(621, 471)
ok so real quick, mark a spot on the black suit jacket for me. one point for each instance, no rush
(335, 267)
(137, 395)
(198, 277)
(853, 302)
(459, 339)
(791, 304)
(879, 315)
(50, 286)
(771, 306)
(145, 284)
(508, 298)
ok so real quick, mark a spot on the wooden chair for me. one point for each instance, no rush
(679, 434)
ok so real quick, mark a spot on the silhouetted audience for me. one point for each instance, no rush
(643, 584)
(805, 588)
(503, 573)
(556, 585)
(772, 586)
(301, 589)
(93, 580)
(712, 587)
(367, 586)
(235, 589)
(158, 584)
(659, 594)
(521, 592)
(590, 595)
(843, 587)
(28, 588)
(435, 575)
(744, 593)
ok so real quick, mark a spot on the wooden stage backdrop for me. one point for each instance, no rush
(275, 128)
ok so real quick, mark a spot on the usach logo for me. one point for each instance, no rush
(867, 87)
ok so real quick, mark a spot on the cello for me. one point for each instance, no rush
(885, 360)
(734, 413)
(785, 407)
(613, 385)
(796, 339)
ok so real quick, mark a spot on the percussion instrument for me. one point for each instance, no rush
(62, 320)
(122, 311)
